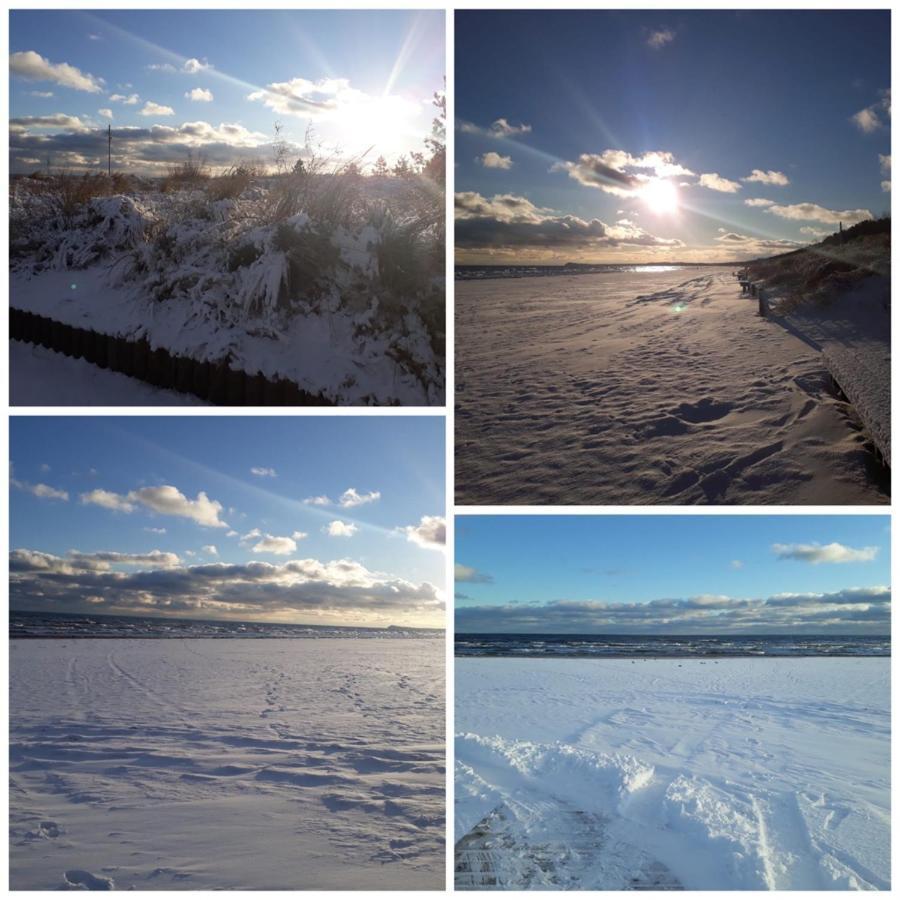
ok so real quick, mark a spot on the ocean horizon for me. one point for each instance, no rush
(620, 646)
(24, 624)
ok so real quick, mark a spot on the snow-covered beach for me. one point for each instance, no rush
(722, 774)
(41, 377)
(646, 386)
(241, 764)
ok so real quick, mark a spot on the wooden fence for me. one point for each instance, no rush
(213, 382)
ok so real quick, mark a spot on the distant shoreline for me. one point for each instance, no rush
(492, 271)
(694, 657)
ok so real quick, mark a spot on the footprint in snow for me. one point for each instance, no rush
(82, 880)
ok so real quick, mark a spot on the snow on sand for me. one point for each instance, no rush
(241, 764)
(643, 387)
(731, 774)
(41, 377)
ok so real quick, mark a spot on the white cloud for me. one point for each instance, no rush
(128, 100)
(874, 117)
(502, 128)
(299, 535)
(619, 173)
(278, 546)
(33, 67)
(499, 128)
(866, 120)
(318, 501)
(351, 497)
(492, 160)
(56, 121)
(108, 500)
(431, 532)
(659, 38)
(193, 66)
(824, 553)
(165, 500)
(754, 245)
(156, 109)
(200, 95)
(758, 201)
(768, 177)
(155, 530)
(716, 182)
(341, 529)
(812, 212)
(263, 472)
(168, 500)
(884, 161)
(44, 491)
(106, 113)
(44, 94)
(189, 67)
(334, 100)
(210, 549)
(470, 575)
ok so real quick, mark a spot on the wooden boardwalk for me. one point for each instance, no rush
(572, 852)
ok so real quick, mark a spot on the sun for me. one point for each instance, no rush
(661, 197)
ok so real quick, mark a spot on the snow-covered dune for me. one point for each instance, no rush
(746, 774)
(279, 764)
(644, 387)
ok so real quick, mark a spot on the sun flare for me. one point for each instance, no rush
(661, 197)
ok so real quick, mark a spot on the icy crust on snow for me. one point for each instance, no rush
(731, 774)
(194, 277)
(235, 765)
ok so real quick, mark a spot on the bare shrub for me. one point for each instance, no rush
(233, 182)
(190, 173)
(69, 192)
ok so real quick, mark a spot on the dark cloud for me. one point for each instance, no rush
(506, 220)
(143, 150)
(43, 582)
(850, 611)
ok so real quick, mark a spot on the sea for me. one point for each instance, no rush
(617, 646)
(74, 625)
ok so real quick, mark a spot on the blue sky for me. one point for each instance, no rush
(357, 77)
(661, 574)
(172, 502)
(798, 102)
